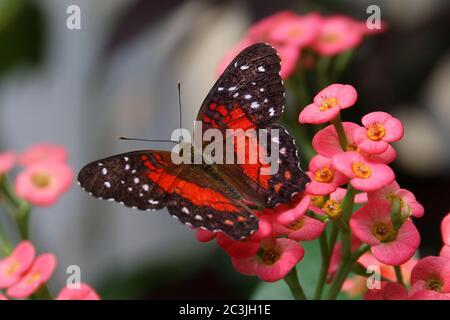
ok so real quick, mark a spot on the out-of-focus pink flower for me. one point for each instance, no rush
(387, 271)
(324, 178)
(445, 251)
(326, 143)
(260, 31)
(2, 297)
(204, 235)
(328, 103)
(13, 266)
(407, 199)
(7, 161)
(84, 292)
(43, 152)
(380, 128)
(445, 229)
(364, 174)
(273, 262)
(388, 291)
(248, 247)
(43, 183)
(430, 279)
(372, 224)
(355, 286)
(38, 274)
(299, 31)
(337, 34)
(295, 224)
(289, 56)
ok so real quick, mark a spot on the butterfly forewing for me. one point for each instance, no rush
(149, 180)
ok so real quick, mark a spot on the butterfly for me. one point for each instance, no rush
(248, 95)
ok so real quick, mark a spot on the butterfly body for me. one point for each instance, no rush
(214, 195)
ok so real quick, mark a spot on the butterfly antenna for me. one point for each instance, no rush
(148, 140)
(179, 105)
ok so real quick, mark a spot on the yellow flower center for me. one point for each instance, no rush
(324, 174)
(12, 267)
(328, 103)
(361, 170)
(295, 32)
(435, 285)
(41, 180)
(317, 201)
(333, 209)
(382, 231)
(329, 38)
(297, 224)
(376, 132)
(270, 256)
(32, 278)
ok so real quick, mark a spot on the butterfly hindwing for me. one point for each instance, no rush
(149, 180)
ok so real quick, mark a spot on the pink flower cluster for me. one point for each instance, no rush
(275, 248)
(22, 274)
(46, 175)
(359, 155)
(430, 277)
(291, 34)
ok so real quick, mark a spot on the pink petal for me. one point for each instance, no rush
(362, 221)
(293, 214)
(375, 117)
(401, 249)
(312, 114)
(394, 130)
(246, 266)
(445, 251)
(381, 175)
(429, 295)
(310, 230)
(388, 291)
(432, 268)
(7, 161)
(84, 292)
(445, 229)
(21, 259)
(347, 96)
(326, 141)
(237, 249)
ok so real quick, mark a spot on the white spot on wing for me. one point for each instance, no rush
(104, 171)
(145, 187)
(198, 217)
(185, 210)
(244, 67)
(107, 184)
(236, 95)
(261, 69)
(151, 201)
(254, 105)
(248, 96)
(271, 111)
(231, 88)
(136, 180)
(127, 167)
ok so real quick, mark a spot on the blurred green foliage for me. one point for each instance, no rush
(21, 34)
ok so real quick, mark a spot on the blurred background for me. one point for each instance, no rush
(117, 76)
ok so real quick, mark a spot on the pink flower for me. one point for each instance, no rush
(372, 224)
(445, 229)
(328, 103)
(445, 251)
(38, 274)
(338, 34)
(7, 161)
(273, 262)
(326, 143)
(248, 247)
(289, 56)
(84, 292)
(388, 271)
(380, 129)
(407, 199)
(430, 279)
(13, 266)
(364, 174)
(43, 152)
(339, 195)
(388, 291)
(324, 178)
(260, 31)
(43, 183)
(204, 235)
(295, 224)
(299, 31)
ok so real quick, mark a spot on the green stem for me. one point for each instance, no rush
(316, 216)
(22, 221)
(5, 246)
(322, 72)
(326, 255)
(340, 63)
(294, 285)
(337, 123)
(344, 270)
(399, 275)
